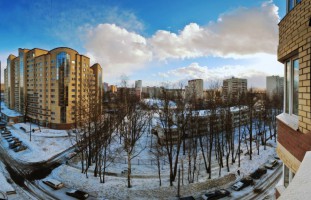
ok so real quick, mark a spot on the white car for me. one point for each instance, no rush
(55, 184)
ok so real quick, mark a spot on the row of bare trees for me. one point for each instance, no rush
(191, 131)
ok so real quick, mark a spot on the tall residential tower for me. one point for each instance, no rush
(49, 86)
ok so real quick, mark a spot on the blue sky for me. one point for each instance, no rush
(156, 41)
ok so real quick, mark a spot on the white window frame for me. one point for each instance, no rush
(291, 92)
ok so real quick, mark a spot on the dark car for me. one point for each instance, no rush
(14, 144)
(258, 173)
(217, 194)
(270, 164)
(77, 194)
(20, 148)
(187, 198)
(12, 139)
(7, 136)
(244, 182)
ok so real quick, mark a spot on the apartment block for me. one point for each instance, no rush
(274, 85)
(234, 87)
(195, 89)
(50, 86)
(294, 124)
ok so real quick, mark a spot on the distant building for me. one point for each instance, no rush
(113, 88)
(195, 89)
(275, 85)
(105, 87)
(151, 92)
(138, 88)
(234, 87)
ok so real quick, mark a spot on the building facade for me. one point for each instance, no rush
(234, 87)
(294, 124)
(195, 89)
(49, 86)
(275, 85)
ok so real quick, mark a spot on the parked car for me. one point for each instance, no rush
(187, 198)
(20, 148)
(70, 155)
(7, 136)
(6, 133)
(77, 194)
(217, 194)
(13, 145)
(258, 173)
(270, 164)
(55, 184)
(12, 139)
(244, 182)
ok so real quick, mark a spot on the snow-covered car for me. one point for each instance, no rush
(242, 183)
(20, 148)
(217, 194)
(55, 184)
(77, 194)
(14, 144)
(70, 155)
(270, 164)
(258, 173)
(12, 139)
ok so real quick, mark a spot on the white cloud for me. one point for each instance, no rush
(116, 49)
(263, 65)
(241, 33)
(244, 31)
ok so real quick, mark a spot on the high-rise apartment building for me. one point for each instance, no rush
(195, 88)
(274, 85)
(234, 87)
(138, 88)
(50, 86)
(294, 124)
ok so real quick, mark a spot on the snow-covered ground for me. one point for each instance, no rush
(5, 186)
(116, 187)
(44, 144)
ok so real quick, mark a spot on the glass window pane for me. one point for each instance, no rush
(286, 176)
(298, 1)
(290, 4)
(295, 86)
(288, 84)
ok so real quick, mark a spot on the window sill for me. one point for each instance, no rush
(290, 120)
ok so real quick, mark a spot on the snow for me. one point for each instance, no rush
(145, 180)
(43, 145)
(8, 112)
(299, 188)
(5, 186)
(159, 103)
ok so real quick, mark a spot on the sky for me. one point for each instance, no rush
(153, 41)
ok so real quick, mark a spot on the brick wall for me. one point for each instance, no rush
(294, 141)
(295, 39)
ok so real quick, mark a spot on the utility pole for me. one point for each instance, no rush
(178, 186)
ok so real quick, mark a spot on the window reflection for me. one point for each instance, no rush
(295, 86)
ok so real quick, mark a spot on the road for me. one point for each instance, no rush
(265, 185)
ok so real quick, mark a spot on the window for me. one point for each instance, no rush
(291, 86)
(291, 4)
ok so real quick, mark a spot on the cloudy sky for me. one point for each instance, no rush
(155, 41)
